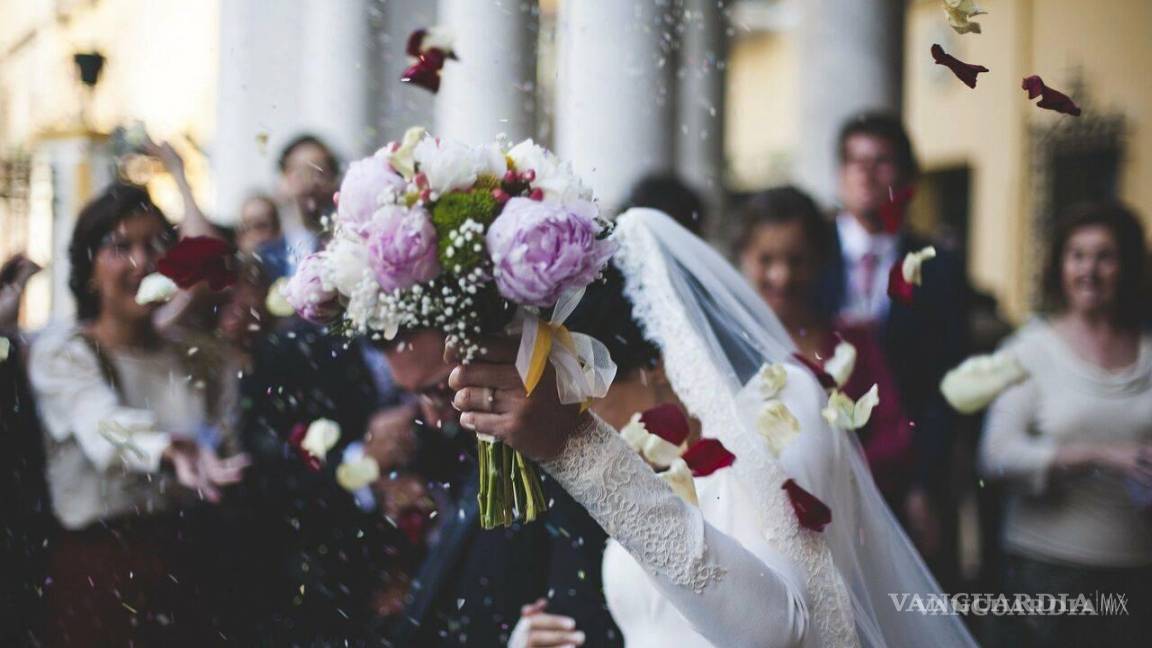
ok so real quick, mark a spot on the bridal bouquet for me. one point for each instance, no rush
(471, 241)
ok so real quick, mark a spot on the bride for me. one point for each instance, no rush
(738, 569)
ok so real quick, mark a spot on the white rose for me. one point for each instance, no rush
(773, 377)
(843, 413)
(321, 437)
(978, 380)
(841, 364)
(345, 264)
(358, 473)
(452, 165)
(553, 176)
(912, 265)
(679, 477)
(155, 288)
(777, 425)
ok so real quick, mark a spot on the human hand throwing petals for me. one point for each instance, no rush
(199, 469)
(491, 396)
(539, 630)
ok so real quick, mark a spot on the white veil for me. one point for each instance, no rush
(715, 333)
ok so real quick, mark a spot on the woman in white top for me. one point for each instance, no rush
(1074, 439)
(123, 411)
(739, 569)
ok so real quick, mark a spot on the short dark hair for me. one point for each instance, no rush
(671, 195)
(781, 205)
(885, 126)
(99, 217)
(307, 139)
(1131, 294)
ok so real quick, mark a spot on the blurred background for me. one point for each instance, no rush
(733, 95)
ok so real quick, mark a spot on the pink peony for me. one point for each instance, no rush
(306, 294)
(539, 249)
(402, 247)
(363, 186)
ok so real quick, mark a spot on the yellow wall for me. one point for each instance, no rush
(760, 112)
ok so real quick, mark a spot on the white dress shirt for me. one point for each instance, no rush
(865, 303)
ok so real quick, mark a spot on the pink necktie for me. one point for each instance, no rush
(868, 262)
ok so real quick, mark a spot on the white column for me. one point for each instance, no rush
(400, 105)
(851, 53)
(335, 65)
(492, 88)
(700, 105)
(615, 96)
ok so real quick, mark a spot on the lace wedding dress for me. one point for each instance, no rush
(739, 570)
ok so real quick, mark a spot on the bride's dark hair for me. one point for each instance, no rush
(606, 314)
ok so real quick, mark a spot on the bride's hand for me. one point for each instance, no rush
(539, 630)
(492, 401)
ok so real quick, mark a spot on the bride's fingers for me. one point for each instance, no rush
(477, 399)
(535, 607)
(482, 374)
(484, 423)
(554, 638)
(556, 622)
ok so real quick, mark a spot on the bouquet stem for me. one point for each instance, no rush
(509, 486)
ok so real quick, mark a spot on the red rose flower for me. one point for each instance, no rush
(813, 514)
(198, 258)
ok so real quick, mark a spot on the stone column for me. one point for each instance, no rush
(615, 92)
(492, 88)
(399, 105)
(851, 52)
(335, 65)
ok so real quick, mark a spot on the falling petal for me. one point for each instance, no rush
(1049, 98)
(966, 72)
(812, 514)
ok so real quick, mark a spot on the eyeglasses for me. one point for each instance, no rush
(122, 248)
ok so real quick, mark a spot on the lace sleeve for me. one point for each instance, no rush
(708, 576)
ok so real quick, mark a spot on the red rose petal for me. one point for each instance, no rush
(825, 378)
(706, 456)
(1049, 98)
(966, 72)
(892, 212)
(666, 421)
(813, 514)
(415, 40)
(900, 290)
(295, 439)
(423, 74)
(198, 258)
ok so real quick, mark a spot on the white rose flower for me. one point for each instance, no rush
(155, 288)
(777, 425)
(5, 348)
(358, 473)
(553, 176)
(773, 377)
(912, 265)
(452, 165)
(679, 477)
(841, 364)
(843, 413)
(275, 302)
(345, 264)
(321, 437)
(978, 380)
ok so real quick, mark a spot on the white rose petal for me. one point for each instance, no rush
(679, 477)
(842, 363)
(773, 377)
(156, 288)
(275, 302)
(5, 348)
(913, 261)
(403, 159)
(843, 413)
(659, 452)
(321, 437)
(451, 165)
(978, 380)
(356, 474)
(438, 37)
(634, 433)
(777, 425)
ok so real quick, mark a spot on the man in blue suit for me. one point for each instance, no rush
(921, 340)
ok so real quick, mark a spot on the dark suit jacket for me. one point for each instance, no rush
(471, 587)
(921, 341)
(317, 556)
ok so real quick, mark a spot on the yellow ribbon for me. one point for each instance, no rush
(546, 332)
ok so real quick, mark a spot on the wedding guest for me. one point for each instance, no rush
(123, 410)
(1073, 441)
(920, 341)
(671, 195)
(259, 223)
(309, 178)
(783, 242)
(14, 276)
(473, 584)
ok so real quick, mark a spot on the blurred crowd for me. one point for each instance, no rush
(154, 496)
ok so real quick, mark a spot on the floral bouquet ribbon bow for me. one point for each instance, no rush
(584, 368)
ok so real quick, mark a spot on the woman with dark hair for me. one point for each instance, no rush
(1074, 439)
(781, 247)
(123, 411)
